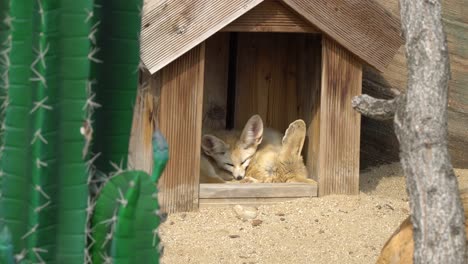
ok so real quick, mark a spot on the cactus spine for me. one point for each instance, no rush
(58, 61)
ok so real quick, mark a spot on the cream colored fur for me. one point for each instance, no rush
(267, 155)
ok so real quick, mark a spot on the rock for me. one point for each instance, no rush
(256, 222)
(234, 236)
(279, 214)
(245, 213)
(282, 219)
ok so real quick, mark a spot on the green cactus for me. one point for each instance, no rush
(6, 247)
(53, 78)
(116, 78)
(4, 49)
(126, 215)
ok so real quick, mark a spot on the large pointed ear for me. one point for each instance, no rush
(293, 140)
(212, 145)
(253, 132)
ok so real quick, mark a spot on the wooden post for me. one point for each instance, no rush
(308, 80)
(180, 120)
(340, 125)
(140, 153)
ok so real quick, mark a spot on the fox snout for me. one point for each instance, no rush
(238, 173)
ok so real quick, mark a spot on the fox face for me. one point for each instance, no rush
(235, 158)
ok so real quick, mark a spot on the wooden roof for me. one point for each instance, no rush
(172, 27)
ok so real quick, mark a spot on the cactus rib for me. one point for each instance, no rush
(75, 65)
(17, 133)
(117, 79)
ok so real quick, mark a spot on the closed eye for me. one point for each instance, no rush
(229, 164)
(247, 159)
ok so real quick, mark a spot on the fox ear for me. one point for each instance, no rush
(294, 138)
(253, 132)
(212, 145)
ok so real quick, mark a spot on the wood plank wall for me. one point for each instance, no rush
(278, 77)
(339, 124)
(180, 121)
(216, 81)
(309, 82)
(140, 153)
(270, 16)
(363, 27)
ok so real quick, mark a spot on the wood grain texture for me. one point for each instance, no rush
(361, 26)
(173, 27)
(339, 123)
(180, 119)
(309, 82)
(216, 81)
(267, 78)
(271, 16)
(379, 143)
(278, 77)
(222, 202)
(140, 154)
(257, 190)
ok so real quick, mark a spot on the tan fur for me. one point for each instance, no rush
(234, 147)
(399, 248)
(270, 157)
(281, 162)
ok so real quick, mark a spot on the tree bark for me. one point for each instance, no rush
(421, 128)
(420, 119)
(379, 109)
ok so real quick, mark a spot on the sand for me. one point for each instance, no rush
(332, 229)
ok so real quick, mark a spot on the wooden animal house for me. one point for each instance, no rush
(216, 63)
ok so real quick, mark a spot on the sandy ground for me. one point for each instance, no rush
(332, 229)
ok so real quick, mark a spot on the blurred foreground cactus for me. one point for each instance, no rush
(66, 95)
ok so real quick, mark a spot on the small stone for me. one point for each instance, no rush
(172, 223)
(282, 219)
(279, 214)
(350, 253)
(183, 216)
(389, 207)
(379, 206)
(321, 231)
(234, 236)
(245, 212)
(256, 222)
(316, 220)
(404, 210)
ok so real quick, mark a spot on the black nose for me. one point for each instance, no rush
(239, 178)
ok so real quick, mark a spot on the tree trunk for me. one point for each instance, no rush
(421, 127)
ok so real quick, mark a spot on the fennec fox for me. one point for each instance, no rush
(255, 154)
(281, 162)
(227, 154)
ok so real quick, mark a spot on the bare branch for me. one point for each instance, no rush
(374, 108)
